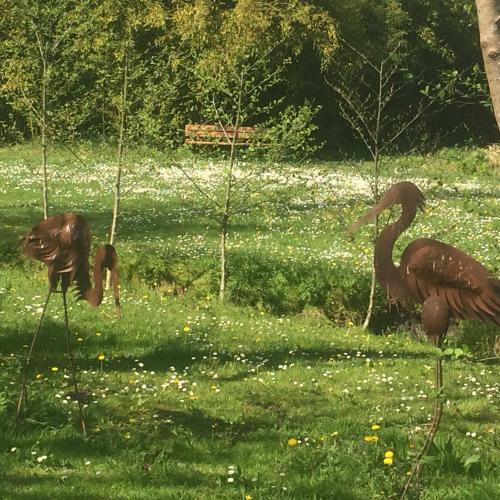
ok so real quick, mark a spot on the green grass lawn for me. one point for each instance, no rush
(194, 399)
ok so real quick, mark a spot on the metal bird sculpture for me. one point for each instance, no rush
(445, 280)
(62, 243)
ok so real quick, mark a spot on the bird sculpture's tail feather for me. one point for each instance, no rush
(489, 302)
(496, 288)
(34, 247)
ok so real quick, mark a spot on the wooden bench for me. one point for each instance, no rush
(215, 135)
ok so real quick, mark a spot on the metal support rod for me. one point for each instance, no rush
(73, 367)
(24, 392)
(438, 413)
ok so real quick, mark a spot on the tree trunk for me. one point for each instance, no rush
(376, 177)
(223, 262)
(227, 196)
(120, 152)
(225, 216)
(371, 301)
(119, 159)
(45, 189)
(488, 14)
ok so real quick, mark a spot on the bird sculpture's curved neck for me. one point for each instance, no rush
(388, 275)
(92, 295)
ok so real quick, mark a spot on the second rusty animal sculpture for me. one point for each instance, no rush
(62, 243)
(445, 280)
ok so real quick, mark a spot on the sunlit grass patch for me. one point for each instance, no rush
(276, 394)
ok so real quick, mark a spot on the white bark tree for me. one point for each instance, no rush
(366, 107)
(37, 41)
(488, 14)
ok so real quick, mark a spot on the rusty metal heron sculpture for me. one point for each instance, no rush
(62, 243)
(445, 280)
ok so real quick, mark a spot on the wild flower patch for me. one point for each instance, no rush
(188, 398)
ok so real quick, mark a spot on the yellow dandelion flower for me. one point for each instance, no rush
(39, 376)
(375, 427)
(98, 334)
(248, 497)
(54, 369)
(101, 357)
(388, 461)
(187, 329)
(292, 442)
(371, 439)
(389, 454)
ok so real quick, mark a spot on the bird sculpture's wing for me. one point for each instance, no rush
(61, 242)
(434, 268)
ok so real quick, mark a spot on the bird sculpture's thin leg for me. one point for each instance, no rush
(438, 413)
(24, 390)
(435, 319)
(73, 367)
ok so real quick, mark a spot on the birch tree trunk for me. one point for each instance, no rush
(371, 301)
(120, 152)
(376, 178)
(488, 14)
(227, 207)
(43, 127)
(223, 262)
(228, 195)
(119, 160)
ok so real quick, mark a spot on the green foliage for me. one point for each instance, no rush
(170, 43)
(445, 456)
(455, 353)
(118, 42)
(9, 253)
(242, 53)
(37, 51)
(171, 273)
(4, 402)
(291, 137)
(280, 287)
(290, 287)
(480, 339)
(474, 161)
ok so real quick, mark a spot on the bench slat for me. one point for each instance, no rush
(216, 135)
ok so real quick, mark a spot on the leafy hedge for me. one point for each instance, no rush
(262, 281)
(281, 287)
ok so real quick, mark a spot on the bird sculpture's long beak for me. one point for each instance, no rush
(371, 214)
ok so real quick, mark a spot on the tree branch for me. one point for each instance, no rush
(406, 125)
(196, 185)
